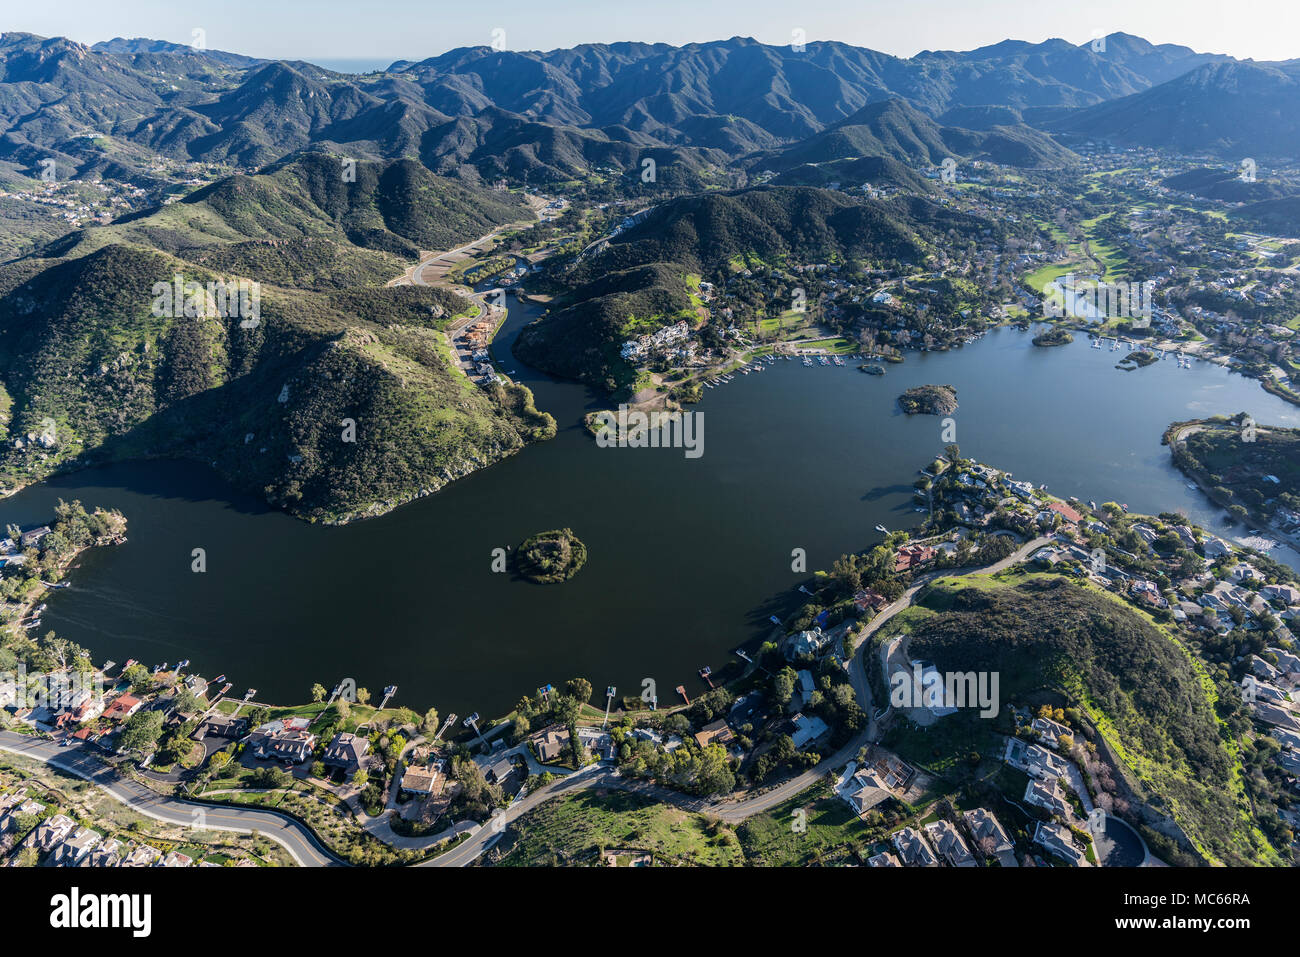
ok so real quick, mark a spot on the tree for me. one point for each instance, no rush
(137, 675)
(141, 731)
(783, 685)
(430, 724)
(521, 727)
(318, 693)
(185, 701)
(363, 696)
(579, 688)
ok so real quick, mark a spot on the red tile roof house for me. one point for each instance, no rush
(869, 599)
(1067, 513)
(912, 556)
(122, 707)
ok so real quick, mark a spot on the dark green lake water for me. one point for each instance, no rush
(688, 557)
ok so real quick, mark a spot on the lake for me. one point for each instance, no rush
(687, 556)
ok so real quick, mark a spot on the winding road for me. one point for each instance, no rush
(75, 759)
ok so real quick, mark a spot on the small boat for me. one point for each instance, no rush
(1191, 486)
(882, 529)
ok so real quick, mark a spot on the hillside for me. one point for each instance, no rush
(1138, 687)
(897, 130)
(82, 348)
(300, 224)
(1226, 185)
(1279, 216)
(497, 143)
(1232, 110)
(638, 282)
(879, 171)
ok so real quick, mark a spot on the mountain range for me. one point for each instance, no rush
(548, 116)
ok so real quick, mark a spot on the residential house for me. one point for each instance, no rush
(807, 643)
(105, 854)
(1047, 795)
(122, 707)
(285, 739)
(142, 856)
(223, 726)
(988, 831)
(75, 847)
(911, 845)
(910, 557)
(1058, 839)
(1287, 594)
(1216, 548)
(426, 780)
(346, 751)
(499, 770)
(551, 744)
(50, 833)
(944, 836)
(25, 808)
(883, 859)
(1049, 732)
(716, 731)
(807, 730)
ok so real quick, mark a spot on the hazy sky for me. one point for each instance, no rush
(395, 29)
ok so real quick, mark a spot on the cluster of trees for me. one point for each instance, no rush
(73, 529)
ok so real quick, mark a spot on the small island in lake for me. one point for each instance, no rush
(1137, 360)
(1053, 337)
(929, 400)
(552, 556)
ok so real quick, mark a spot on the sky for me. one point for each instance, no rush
(406, 29)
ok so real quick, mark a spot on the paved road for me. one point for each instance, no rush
(296, 838)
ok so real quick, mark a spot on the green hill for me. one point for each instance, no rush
(1149, 698)
(81, 346)
(638, 282)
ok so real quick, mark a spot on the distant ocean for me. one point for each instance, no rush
(355, 64)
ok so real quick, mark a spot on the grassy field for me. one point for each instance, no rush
(575, 828)
(830, 831)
